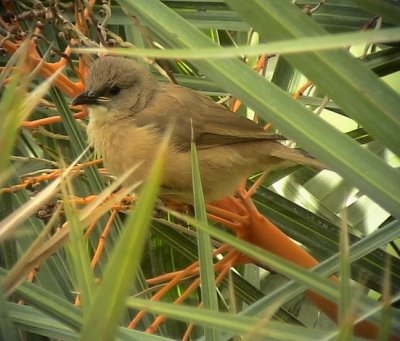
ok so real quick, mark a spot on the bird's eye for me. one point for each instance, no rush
(114, 90)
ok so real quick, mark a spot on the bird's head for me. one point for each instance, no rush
(118, 85)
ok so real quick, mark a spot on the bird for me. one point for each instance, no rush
(130, 111)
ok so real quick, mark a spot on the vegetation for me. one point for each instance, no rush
(81, 258)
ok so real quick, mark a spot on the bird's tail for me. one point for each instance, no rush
(297, 156)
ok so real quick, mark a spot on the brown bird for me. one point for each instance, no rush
(130, 111)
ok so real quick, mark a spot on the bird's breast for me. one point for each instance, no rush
(123, 145)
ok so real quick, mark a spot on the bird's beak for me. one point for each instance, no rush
(89, 98)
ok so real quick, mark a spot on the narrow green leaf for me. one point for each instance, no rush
(342, 77)
(388, 9)
(386, 320)
(101, 321)
(16, 105)
(38, 323)
(8, 330)
(284, 47)
(11, 103)
(51, 271)
(79, 257)
(229, 322)
(76, 134)
(345, 290)
(23, 265)
(34, 321)
(48, 302)
(208, 287)
(384, 62)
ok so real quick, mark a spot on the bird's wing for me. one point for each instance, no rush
(213, 125)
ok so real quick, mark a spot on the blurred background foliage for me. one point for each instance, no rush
(52, 186)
